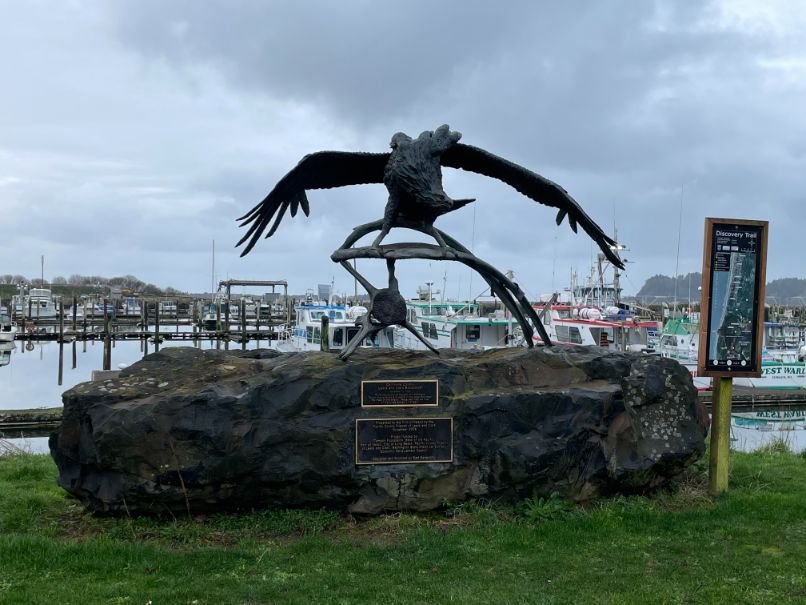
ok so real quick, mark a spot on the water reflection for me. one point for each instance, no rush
(35, 373)
(5, 352)
(32, 445)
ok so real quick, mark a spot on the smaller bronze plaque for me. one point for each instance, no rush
(403, 440)
(397, 393)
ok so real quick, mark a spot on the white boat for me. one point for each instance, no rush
(167, 308)
(215, 315)
(782, 355)
(457, 325)
(593, 314)
(99, 308)
(130, 307)
(86, 307)
(612, 327)
(210, 316)
(36, 303)
(306, 334)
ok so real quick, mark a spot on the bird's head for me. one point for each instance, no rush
(445, 132)
(399, 138)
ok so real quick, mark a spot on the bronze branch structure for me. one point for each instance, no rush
(508, 291)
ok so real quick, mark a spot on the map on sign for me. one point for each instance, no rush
(733, 309)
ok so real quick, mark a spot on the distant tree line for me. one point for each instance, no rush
(784, 291)
(787, 291)
(129, 283)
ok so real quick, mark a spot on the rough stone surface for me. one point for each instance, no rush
(210, 430)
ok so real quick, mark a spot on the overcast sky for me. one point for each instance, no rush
(134, 133)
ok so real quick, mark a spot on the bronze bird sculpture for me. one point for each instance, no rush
(412, 173)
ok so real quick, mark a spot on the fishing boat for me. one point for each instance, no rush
(477, 325)
(783, 356)
(591, 312)
(306, 332)
(612, 327)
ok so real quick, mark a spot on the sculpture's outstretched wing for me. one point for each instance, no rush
(531, 185)
(321, 170)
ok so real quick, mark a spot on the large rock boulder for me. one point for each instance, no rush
(200, 431)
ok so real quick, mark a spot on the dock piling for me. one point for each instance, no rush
(107, 364)
(157, 327)
(243, 324)
(325, 336)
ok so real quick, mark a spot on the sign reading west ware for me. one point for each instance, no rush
(734, 268)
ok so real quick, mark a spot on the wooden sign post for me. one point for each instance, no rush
(731, 324)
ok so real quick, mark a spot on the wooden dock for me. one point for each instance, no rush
(746, 399)
(121, 335)
(29, 422)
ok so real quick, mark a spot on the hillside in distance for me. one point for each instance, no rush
(784, 291)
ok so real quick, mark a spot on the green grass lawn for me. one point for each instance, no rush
(679, 546)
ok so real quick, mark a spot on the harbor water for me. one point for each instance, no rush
(31, 379)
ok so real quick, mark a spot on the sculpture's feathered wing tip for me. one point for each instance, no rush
(533, 186)
(321, 170)
(606, 243)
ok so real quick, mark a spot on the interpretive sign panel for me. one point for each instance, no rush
(732, 324)
(395, 393)
(403, 440)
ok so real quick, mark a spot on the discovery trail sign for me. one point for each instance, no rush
(734, 269)
(733, 276)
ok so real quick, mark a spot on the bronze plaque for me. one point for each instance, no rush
(397, 393)
(403, 440)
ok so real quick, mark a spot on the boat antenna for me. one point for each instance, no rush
(677, 257)
(212, 273)
(554, 263)
(472, 250)
(355, 282)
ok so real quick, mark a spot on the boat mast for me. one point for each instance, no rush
(677, 258)
(212, 274)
